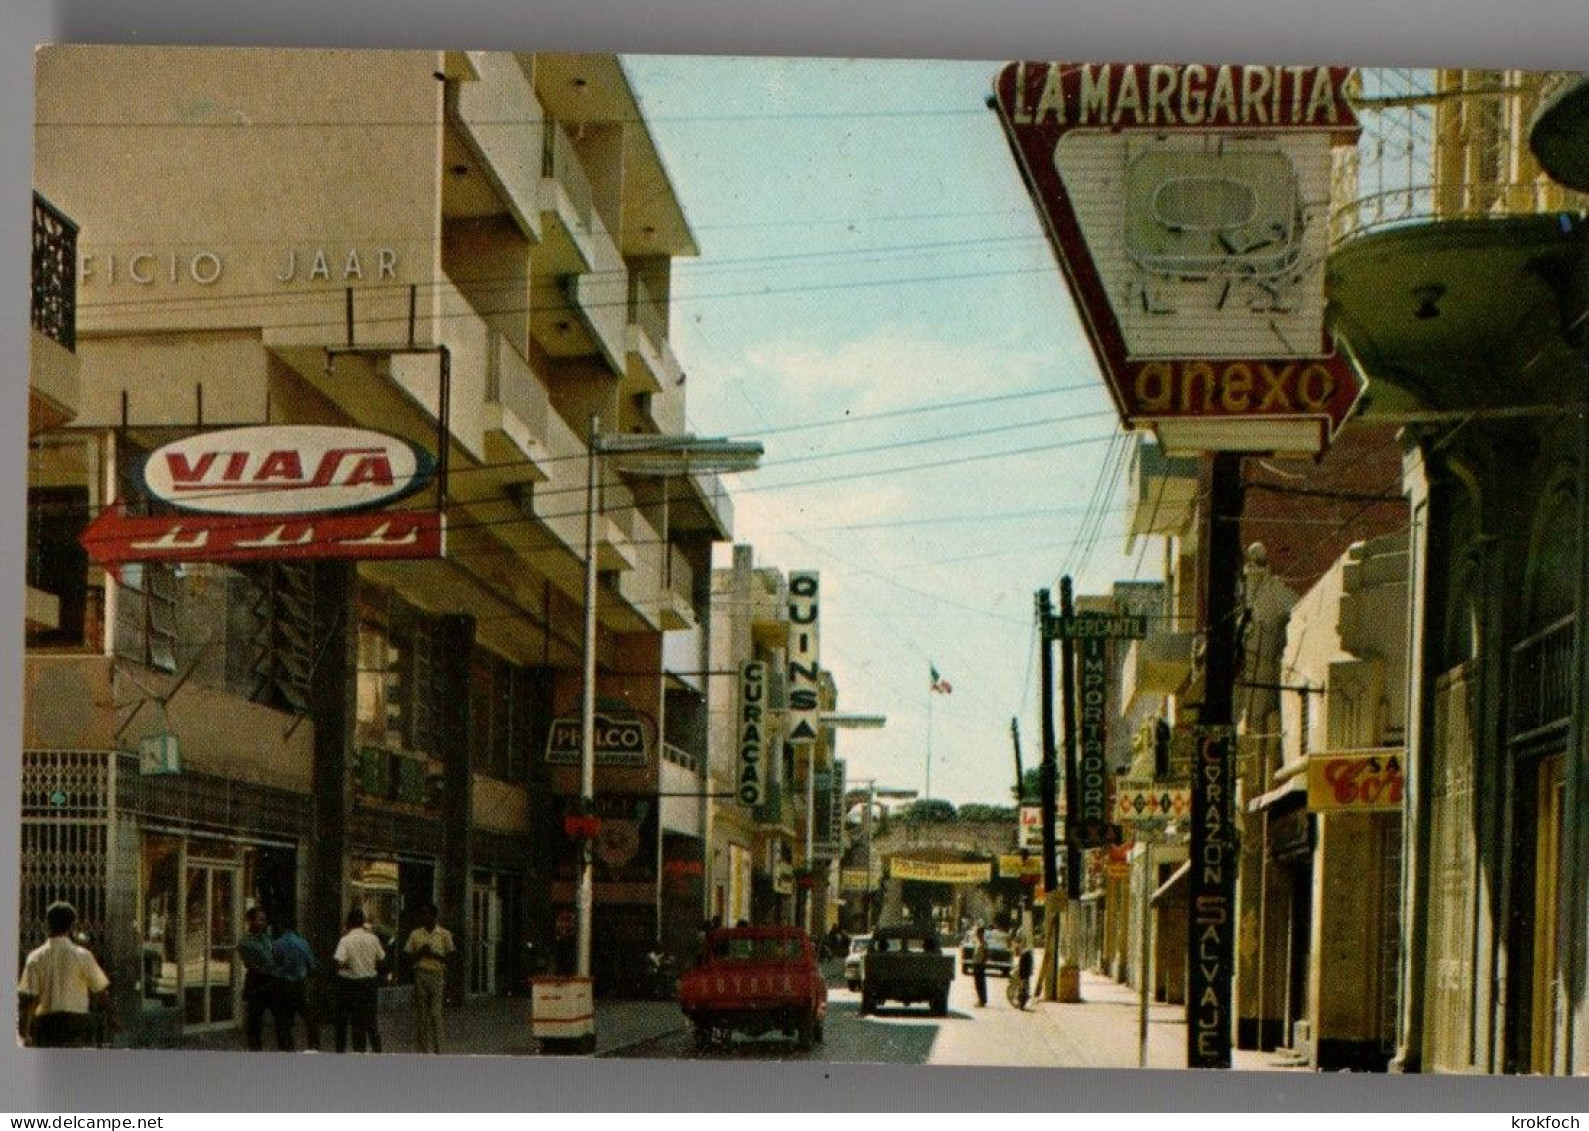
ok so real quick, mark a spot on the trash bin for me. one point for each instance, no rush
(563, 1013)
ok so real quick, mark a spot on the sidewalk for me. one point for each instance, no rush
(494, 1026)
(1102, 1031)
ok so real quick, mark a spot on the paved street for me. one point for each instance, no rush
(1100, 1032)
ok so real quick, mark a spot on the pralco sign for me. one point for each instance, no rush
(752, 732)
(1189, 207)
(805, 699)
(620, 740)
(285, 469)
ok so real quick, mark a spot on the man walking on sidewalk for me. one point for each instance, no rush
(429, 946)
(294, 963)
(59, 982)
(259, 983)
(358, 960)
(979, 966)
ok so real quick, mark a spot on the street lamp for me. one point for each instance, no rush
(873, 794)
(643, 455)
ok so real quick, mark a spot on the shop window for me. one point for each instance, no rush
(58, 565)
(158, 920)
(146, 614)
(380, 688)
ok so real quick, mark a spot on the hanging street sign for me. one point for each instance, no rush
(1356, 781)
(115, 538)
(276, 469)
(1141, 801)
(1099, 626)
(1211, 900)
(1189, 208)
(805, 697)
(1091, 829)
(752, 732)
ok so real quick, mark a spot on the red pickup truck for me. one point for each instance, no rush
(756, 980)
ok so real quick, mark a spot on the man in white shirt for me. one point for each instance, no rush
(358, 960)
(429, 945)
(59, 982)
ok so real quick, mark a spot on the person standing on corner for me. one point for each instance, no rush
(294, 963)
(60, 981)
(358, 959)
(979, 966)
(429, 945)
(259, 982)
(1022, 972)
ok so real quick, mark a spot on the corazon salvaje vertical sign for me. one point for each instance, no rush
(1213, 911)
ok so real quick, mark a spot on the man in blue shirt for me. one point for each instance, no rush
(294, 963)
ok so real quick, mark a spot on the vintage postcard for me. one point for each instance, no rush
(1053, 563)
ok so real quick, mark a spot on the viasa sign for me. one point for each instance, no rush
(285, 469)
(273, 493)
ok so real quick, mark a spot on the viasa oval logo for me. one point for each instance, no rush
(286, 469)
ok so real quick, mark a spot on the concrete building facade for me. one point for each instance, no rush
(331, 237)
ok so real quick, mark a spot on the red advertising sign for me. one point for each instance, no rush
(1359, 781)
(115, 538)
(1189, 207)
(285, 469)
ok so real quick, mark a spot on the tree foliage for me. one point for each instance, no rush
(976, 811)
(1031, 786)
(927, 811)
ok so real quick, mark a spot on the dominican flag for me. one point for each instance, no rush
(939, 683)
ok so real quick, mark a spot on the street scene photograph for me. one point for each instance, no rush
(1035, 563)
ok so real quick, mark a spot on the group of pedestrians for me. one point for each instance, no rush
(1020, 974)
(277, 971)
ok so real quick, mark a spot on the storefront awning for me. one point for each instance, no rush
(1291, 780)
(1180, 876)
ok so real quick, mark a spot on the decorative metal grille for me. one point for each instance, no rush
(1541, 683)
(54, 273)
(68, 797)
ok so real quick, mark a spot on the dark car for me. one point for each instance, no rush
(999, 958)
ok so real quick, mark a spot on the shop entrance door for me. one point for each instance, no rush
(485, 935)
(1547, 1005)
(211, 924)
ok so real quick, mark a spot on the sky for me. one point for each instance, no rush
(868, 254)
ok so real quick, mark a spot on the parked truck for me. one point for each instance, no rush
(906, 963)
(755, 980)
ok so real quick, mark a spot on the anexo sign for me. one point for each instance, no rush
(285, 469)
(1189, 209)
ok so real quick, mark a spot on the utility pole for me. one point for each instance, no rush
(1054, 899)
(1070, 974)
(1020, 774)
(1212, 895)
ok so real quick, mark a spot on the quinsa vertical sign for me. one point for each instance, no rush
(805, 700)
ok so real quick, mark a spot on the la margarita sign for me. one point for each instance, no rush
(1189, 209)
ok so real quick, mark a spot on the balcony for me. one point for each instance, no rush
(502, 119)
(516, 410)
(1452, 252)
(1157, 665)
(1162, 492)
(54, 386)
(566, 202)
(651, 366)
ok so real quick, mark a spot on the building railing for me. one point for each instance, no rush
(1442, 145)
(560, 162)
(1541, 681)
(646, 312)
(54, 273)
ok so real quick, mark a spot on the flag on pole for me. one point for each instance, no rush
(939, 683)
